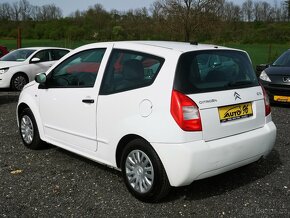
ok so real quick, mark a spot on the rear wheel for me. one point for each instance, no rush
(143, 172)
(18, 81)
(28, 130)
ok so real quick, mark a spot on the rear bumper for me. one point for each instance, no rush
(187, 162)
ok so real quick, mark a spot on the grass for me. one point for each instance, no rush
(259, 53)
(262, 53)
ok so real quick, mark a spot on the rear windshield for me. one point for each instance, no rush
(214, 70)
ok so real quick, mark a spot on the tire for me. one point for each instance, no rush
(29, 131)
(18, 81)
(147, 182)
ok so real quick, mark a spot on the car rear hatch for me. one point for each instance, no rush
(224, 87)
(231, 112)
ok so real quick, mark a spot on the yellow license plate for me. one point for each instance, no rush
(281, 98)
(234, 112)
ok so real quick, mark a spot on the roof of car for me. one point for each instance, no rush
(38, 48)
(171, 45)
(178, 46)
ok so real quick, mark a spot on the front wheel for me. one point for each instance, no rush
(28, 130)
(143, 172)
(18, 81)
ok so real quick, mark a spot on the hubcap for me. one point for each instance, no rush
(19, 82)
(139, 171)
(27, 131)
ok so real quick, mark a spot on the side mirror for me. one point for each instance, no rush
(40, 78)
(35, 60)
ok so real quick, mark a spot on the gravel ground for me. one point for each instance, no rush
(56, 183)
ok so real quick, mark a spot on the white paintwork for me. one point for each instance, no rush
(66, 119)
(94, 130)
(213, 129)
(191, 161)
(62, 120)
(27, 67)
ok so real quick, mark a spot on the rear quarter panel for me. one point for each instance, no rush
(120, 114)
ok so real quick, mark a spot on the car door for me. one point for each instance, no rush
(68, 101)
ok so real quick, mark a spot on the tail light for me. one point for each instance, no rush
(185, 112)
(267, 102)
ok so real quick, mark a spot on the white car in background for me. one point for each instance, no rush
(164, 113)
(20, 66)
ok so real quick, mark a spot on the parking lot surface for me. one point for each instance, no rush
(54, 182)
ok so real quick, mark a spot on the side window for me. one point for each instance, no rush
(43, 55)
(57, 54)
(127, 70)
(79, 70)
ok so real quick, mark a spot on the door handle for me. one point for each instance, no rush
(88, 101)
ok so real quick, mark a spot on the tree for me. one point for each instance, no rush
(118, 33)
(16, 11)
(156, 10)
(231, 12)
(5, 11)
(97, 22)
(25, 9)
(263, 11)
(287, 6)
(50, 12)
(247, 9)
(187, 15)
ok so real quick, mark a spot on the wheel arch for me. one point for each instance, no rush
(18, 73)
(22, 73)
(122, 143)
(20, 108)
(160, 185)
(27, 101)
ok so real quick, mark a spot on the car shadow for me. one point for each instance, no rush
(228, 181)
(206, 188)
(86, 160)
(7, 96)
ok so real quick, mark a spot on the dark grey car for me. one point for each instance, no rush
(276, 79)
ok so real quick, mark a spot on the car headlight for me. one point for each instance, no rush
(4, 70)
(264, 76)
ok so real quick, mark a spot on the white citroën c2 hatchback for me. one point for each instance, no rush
(164, 113)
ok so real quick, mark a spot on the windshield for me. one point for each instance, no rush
(283, 60)
(18, 55)
(214, 70)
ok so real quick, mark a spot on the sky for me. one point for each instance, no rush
(69, 6)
